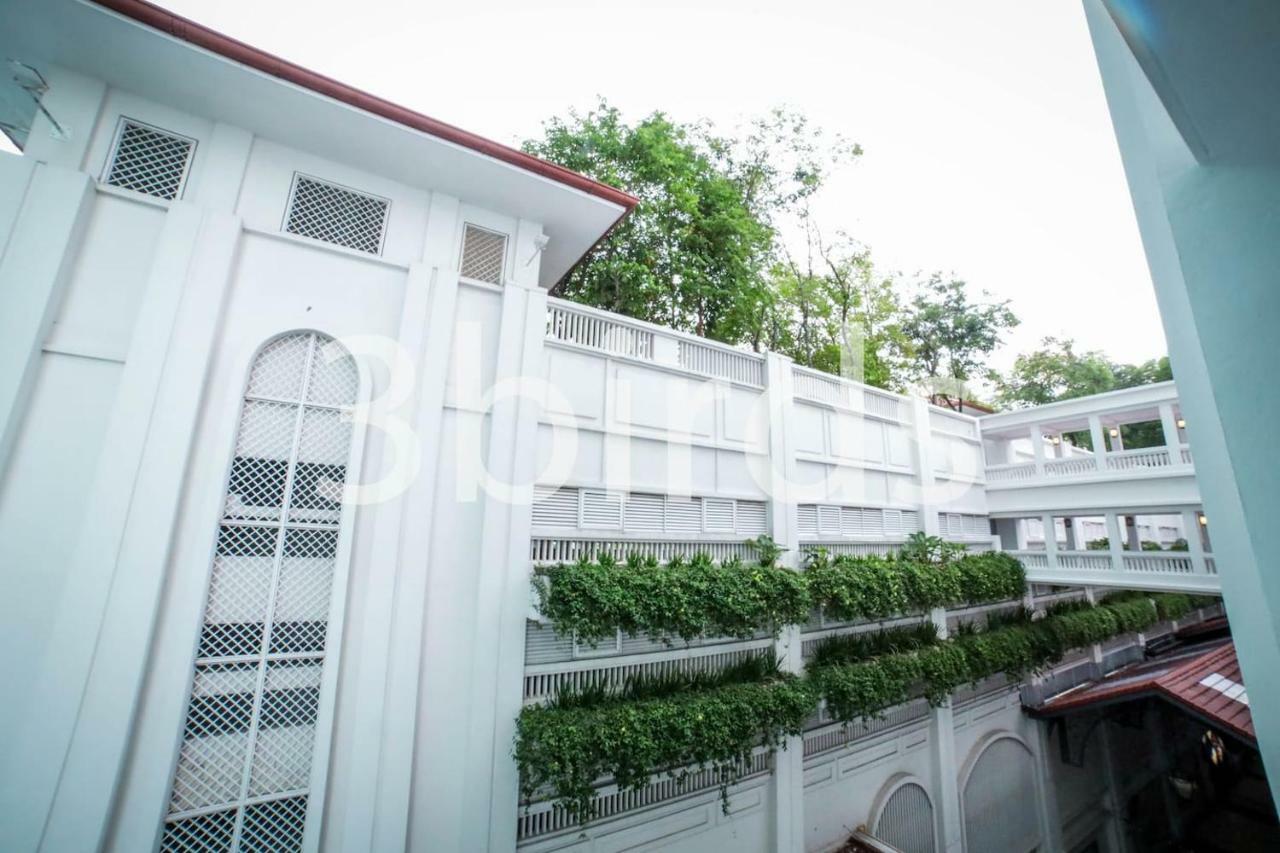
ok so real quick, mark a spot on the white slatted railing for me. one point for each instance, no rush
(722, 362)
(574, 325)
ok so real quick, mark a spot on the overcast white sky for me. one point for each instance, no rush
(989, 150)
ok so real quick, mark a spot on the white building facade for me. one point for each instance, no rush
(288, 419)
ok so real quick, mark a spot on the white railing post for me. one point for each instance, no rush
(1099, 439)
(1172, 443)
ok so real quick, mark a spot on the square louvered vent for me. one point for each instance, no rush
(601, 510)
(555, 507)
(334, 214)
(717, 515)
(148, 160)
(484, 254)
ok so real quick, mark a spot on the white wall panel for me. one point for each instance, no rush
(109, 278)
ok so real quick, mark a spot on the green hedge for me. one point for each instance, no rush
(715, 721)
(876, 587)
(568, 748)
(591, 599)
(866, 688)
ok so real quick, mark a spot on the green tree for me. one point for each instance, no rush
(950, 336)
(695, 252)
(1055, 372)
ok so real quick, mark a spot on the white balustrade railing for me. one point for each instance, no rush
(1148, 561)
(1138, 460)
(1070, 466)
(1133, 461)
(576, 325)
(1153, 569)
(1011, 472)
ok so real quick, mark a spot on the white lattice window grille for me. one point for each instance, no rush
(484, 254)
(245, 772)
(330, 213)
(149, 160)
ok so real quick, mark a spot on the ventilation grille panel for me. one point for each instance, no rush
(334, 214)
(149, 160)
(484, 254)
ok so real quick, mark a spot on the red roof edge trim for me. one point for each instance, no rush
(237, 51)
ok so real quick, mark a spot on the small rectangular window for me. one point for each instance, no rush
(484, 254)
(149, 160)
(335, 214)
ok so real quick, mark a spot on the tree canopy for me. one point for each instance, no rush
(723, 243)
(1057, 371)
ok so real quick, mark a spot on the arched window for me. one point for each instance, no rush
(244, 772)
(1000, 807)
(906, 821)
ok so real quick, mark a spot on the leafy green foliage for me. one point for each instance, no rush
(950, 335)
(694, 252)
(852, 648)
(570, 748)
(1014, 645)
(591, 599)
(1057, 371)
(875, 587)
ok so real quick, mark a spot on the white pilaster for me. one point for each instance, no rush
(788, 776)
(944, 766)
(1114, 542)
(83, 711)
(923, 440)
(491, 784)
(47, 208)
(375, 811)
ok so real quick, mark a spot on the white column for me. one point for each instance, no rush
(944, 766)
(1114, 541)
(490, 783)
(44, 210)
(1169, 425)
(1050, 540)
(1195, 545)
(1037, 448)
(788, 776)
(83, 712)
(1099, 439)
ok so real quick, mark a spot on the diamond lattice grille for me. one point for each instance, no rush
(150, 161)
(484, 254)
(336, 215)
(244, 769)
